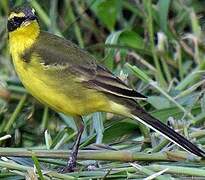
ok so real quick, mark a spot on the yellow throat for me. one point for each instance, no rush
(41, 83)
(23, 38)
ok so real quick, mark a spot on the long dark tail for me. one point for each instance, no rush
(141, 115)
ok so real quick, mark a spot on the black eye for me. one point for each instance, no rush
(18, 20)
(15, 22)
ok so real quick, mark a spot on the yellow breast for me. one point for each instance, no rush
(66, 95)
(69, 97)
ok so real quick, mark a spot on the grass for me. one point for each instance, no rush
(159, 45)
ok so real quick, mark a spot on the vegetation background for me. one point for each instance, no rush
(159, 44)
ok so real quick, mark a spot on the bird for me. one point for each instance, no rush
(69, 80)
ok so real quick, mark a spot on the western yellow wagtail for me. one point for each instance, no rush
(67, 79)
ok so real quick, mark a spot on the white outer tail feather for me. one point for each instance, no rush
(143, 122)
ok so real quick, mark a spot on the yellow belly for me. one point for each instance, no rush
(58, 91)
(68, 97)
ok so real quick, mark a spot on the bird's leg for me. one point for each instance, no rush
(71, 164)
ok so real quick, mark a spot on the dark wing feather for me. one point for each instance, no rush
(106, 82)
(80, 63)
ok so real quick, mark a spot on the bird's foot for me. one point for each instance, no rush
(66, 169)
(70, 167)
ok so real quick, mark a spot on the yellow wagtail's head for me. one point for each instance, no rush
(21, 17)
(23, 28)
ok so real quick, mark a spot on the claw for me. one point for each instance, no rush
(67, 169)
